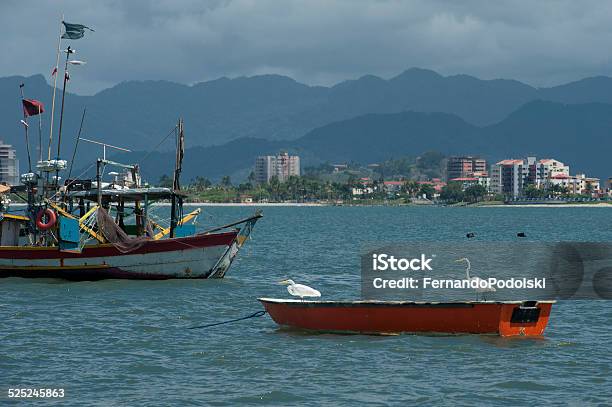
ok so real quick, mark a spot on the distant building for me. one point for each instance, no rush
(508, 177)
(436, 183)
(549, 168)
(363, 190)
(479, 178)
(575, 184)
(9, 165)
(465, 167)
(511, 177)
(244, 198)
(281, 166)
(393, 186)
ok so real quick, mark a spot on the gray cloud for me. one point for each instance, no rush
(314, 41)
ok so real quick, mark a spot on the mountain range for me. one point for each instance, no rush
(230, 121)
(576, 134)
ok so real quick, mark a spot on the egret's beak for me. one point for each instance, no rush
(283, 282)
(460, 260)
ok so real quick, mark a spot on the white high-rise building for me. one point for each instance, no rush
(281, 166)
(511, 177)
(9, 164)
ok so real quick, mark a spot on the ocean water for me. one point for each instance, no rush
(126, 342)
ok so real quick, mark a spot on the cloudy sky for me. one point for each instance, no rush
(540, 42)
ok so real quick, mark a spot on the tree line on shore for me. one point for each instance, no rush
(312, 189)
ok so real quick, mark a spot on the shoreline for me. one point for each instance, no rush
(313, 204)
(247, 204)
(296, 204)
(542, 205)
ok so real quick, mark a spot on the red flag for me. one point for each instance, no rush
(54, 71)
(32, 107)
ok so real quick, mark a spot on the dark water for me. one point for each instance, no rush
(126, 342)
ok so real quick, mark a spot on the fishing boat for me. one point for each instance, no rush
(91, 229)
(80, 231)
(503, 318)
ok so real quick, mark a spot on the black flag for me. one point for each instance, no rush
(74, 31)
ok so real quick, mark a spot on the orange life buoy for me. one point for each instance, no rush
(51, 219)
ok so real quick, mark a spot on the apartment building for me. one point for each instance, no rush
(465, 167)
(281, 166)
(9, 164)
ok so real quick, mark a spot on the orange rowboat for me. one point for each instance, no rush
(506, 318)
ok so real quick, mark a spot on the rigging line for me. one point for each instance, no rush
(158, 144)
(77, 142)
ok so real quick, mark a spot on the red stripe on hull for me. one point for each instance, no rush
(108, 250)
(473, 318)
(88, 274)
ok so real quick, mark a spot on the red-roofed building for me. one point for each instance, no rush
(464, 166)
(549, 167)
(580, 184)
(511, 177)
(436, 183)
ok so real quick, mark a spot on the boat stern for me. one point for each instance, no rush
(528, 318)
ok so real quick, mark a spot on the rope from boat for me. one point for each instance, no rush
(158, 144)
(254, 315)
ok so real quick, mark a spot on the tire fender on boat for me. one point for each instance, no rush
(51, 219)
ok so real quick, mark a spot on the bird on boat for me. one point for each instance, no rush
(299, 290)
(478, 280)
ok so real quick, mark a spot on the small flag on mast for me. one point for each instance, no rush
(32, 107)
(74, 31)
(54, 71)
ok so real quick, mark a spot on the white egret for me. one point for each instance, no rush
(300, 290)
(482, 286)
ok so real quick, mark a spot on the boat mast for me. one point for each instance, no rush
(176, 184)
(25, 126)
(68, 51)
(59, 45)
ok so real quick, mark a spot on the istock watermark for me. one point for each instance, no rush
(498, 271)
(382, 262)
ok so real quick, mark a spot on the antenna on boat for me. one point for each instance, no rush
(103, 160)
(104, 145)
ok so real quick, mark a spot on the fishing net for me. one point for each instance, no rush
(116, 236)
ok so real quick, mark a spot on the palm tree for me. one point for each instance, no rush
(226, 181)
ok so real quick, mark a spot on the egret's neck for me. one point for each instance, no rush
(467, 270)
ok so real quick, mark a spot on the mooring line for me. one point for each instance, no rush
(254, 315)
